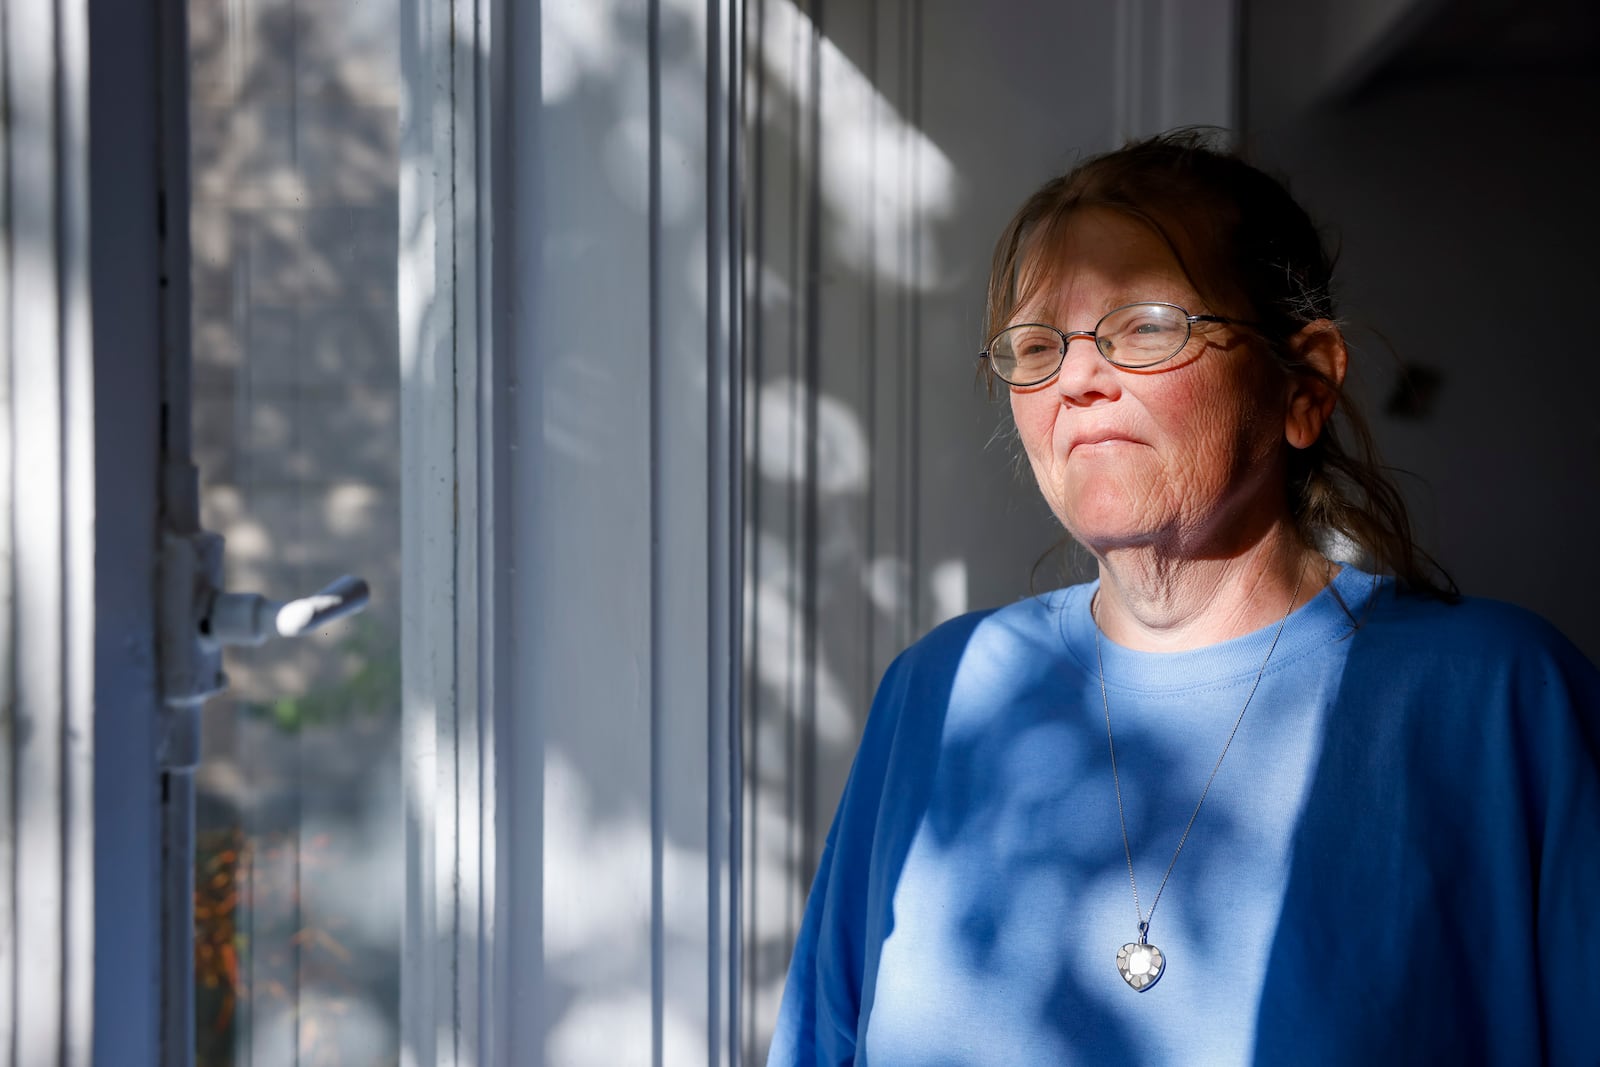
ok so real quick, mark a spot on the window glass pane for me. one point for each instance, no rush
(299, 845)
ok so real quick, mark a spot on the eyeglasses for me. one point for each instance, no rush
(1135, 337)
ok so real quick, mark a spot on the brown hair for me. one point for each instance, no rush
(1252, 252)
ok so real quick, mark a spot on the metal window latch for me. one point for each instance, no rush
(199, 618)
(250, 618)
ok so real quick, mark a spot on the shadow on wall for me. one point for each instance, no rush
(846, 195)
(1461, 204)
(833, 271)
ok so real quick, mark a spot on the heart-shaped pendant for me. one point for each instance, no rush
(1141, 965)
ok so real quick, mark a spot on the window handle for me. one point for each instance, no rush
(199, 618)
(251, 619)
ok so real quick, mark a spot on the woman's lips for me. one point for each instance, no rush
(1099, 441)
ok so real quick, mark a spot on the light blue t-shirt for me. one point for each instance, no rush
(1398, 860)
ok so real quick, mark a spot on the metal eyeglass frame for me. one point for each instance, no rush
(1094, 336)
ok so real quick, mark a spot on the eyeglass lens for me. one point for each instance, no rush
(1139, 335)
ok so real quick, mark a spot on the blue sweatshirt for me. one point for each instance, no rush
(1398, 859)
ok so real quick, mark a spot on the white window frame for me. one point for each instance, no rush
(523, 658)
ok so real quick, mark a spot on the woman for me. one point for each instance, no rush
(1268, 790)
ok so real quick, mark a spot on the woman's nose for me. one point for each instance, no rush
(1085, 376)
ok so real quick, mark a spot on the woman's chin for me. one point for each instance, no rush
(1106, 519)
(1108, 533)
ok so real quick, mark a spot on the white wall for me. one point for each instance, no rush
(622, 355)
(1464, 210)
(569, 346)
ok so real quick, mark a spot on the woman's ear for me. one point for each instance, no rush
(1320, 346)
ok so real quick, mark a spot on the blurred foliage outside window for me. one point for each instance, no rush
(294, 228)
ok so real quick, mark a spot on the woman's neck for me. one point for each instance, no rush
(1154, 603)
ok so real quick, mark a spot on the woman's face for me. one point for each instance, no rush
(1186, 457)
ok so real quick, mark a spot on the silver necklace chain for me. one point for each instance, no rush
(1145, 920)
